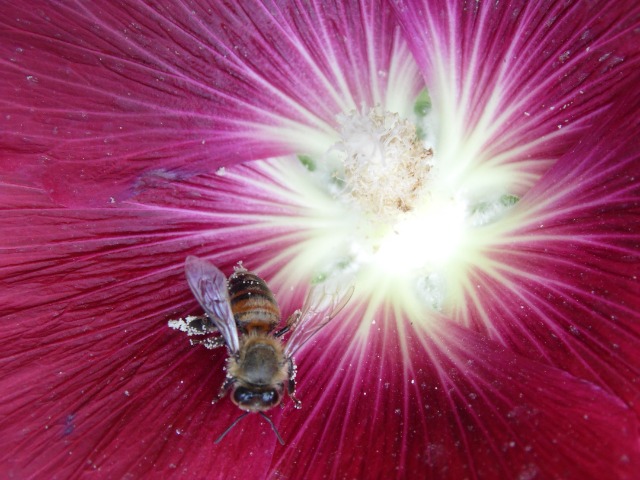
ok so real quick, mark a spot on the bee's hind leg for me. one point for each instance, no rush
(291, 384)
(291, 323)
(209, 343)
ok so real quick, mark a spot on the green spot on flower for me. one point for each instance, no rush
(422, 106)
(509, 200)
(421, 109)
(336, 179)
(319, 278)
(338, 267)
(506, 200)
(483, 213)
(308, 162)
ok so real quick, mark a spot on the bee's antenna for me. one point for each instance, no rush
(273, 427)
(231, 426)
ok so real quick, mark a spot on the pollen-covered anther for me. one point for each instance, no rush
(385, 163)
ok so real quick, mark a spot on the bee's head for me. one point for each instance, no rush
(257, 398)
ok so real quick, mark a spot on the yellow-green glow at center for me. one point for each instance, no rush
(379, 207)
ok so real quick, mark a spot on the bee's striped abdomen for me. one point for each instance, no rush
(254, 307)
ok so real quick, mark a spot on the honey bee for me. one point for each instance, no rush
(245, 313)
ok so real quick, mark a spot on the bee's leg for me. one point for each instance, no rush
(291, 321)
(226, 385)
(291, 384)
(200, 325)
(282, 331)
(196, 326)
(210, 343)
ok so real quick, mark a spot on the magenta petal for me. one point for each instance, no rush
(117, 101)
(93, 380)
(460, 407)
(128, 404)
(563, 283)
(522, 81)
(95, 94)
(107, 380)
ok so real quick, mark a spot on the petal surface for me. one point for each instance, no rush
(96, 94)
(515, 84)
(529, 371)
(557, 278)
(379, 390)
(448, 404)
(94, 380)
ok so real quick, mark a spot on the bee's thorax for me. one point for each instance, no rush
(261, 361)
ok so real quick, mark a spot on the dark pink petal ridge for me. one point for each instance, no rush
(446, 404)
(564, 287)
(95, 94)
(94, 380)
(527, 79)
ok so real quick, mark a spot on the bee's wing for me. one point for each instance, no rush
(320, 307)
(209, 285)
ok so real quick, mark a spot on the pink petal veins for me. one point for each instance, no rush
(558, 281)
(530, 372)
(96, 95)
(515, 84)
(448, 404)
(94, 379)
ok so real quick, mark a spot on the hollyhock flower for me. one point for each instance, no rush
(471, 167)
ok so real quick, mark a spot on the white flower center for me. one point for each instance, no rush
(386, 166)
(403, 225)
(397, 222)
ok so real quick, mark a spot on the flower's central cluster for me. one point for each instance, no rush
(385, 166)
(402, 226)
(396, 218)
